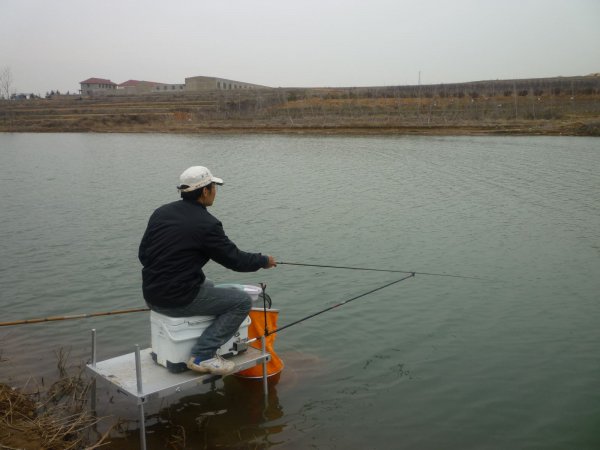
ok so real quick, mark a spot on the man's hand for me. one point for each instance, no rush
(271, 263)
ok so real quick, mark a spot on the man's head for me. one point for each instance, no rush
(196, 183)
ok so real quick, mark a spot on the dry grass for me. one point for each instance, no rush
(56, 418)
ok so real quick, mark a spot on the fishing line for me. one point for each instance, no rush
(378, 270)
(411, 274)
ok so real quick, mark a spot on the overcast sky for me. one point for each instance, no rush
(56, 44)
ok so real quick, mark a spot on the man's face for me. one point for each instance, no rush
(208, 197)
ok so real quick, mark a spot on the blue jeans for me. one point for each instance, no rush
(229, 305)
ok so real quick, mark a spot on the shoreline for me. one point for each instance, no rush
(577, 129)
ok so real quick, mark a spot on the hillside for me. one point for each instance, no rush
(568, 106)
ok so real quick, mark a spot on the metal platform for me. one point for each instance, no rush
(157, 381)
(138, 376)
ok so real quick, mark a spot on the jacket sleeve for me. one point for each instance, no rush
(223, 251)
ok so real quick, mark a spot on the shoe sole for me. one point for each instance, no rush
(198, 369)
(205, 371)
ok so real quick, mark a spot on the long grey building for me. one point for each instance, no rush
(200, 83)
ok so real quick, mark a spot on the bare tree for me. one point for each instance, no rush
(5, 82)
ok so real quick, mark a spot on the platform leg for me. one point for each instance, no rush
(138, 374)
(142, 427)
(93, 384)
(263, 345)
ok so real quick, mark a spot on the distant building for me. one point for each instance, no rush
(132, 87)
(97, 86)
(164, 87)
(194, 84)
(100, 86)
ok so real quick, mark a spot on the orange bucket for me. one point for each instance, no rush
(257, 329)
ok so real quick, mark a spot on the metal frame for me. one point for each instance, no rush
(137, 376)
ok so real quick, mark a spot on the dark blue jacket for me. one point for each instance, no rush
(180, 239)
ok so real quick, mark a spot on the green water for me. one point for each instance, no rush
(506, 361)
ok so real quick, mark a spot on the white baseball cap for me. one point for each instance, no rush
(196, 177)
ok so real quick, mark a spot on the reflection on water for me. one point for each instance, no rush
(232, 415)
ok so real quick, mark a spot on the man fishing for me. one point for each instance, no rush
(179, 240)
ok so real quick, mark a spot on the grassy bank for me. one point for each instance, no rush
(38, 416)
(464, 109)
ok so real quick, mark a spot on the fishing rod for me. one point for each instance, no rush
(76, 316)
(376, 270)
(126, 311)
(267, 333)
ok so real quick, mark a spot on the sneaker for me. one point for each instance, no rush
(216, 365)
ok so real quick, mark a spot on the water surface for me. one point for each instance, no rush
(509, 360)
